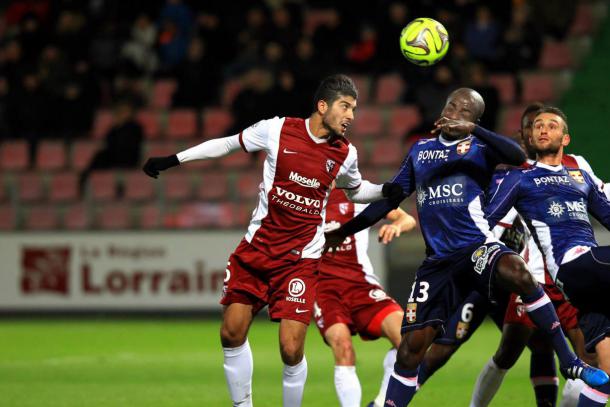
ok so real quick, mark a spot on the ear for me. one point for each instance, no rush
(565, 140)
(322, 107)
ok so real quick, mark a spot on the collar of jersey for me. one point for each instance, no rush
(446, 142)
(315, 139)
(554, 168)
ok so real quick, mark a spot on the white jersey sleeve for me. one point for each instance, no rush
(584, 165)
(256, 137)
(505, 223)
(349, 176)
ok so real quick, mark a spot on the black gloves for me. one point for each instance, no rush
(393, 192)
(155, 164)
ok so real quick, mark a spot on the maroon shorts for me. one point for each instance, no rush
(568, 315)
(359, 305)
(288, 287)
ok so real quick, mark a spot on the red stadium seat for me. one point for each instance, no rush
(505, 84)
(197, 215)
(30, 187)
(249, 185)
(583, 23)
(114, 216)
(387, 152)
(160, 148)
(83, 152)
(149, 120)
(368, 121)
(3, 189)
(538, 87)
(63, 187)
(314, 18)
(41, 218)
(389, 89)
(512, 120)
(237, 159)
(212, 186)
(139, 186)
(51, 155)
(8, 217)
(102, 185)
(104, 120)
(361, 144)
(230, 90)
(403, 119)
(216, 123)
(150, 216)
(555, 55)
(181, 124)
(162, 93)
(177, 185)
(14, 155)
(76, 217)
(363, 84)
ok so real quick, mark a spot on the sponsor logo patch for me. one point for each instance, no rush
(45, 269)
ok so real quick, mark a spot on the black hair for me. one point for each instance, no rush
(533, 107)
(556, 111)
(332, 87)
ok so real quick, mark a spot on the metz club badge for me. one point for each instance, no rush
(330, 165)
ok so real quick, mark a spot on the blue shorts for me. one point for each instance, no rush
(586, 283)
(442, 284)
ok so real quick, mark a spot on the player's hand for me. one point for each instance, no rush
(394, 192)
(155, 164)
(334, 238)
(453, 127)
(388, 232)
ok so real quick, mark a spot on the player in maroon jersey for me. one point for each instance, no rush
(276, 264)
(350, 299)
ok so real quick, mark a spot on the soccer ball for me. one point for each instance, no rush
(424, 41)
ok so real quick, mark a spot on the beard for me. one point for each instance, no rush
(548, 150)
(332, 134)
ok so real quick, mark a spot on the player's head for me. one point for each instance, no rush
(550, 131)
(525, 129)
(464, 104)
(335, 102)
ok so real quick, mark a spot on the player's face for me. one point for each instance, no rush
(460, 107)
(339, 115)
(526, 133)
(548, 134)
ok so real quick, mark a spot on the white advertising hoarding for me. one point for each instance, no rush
(131, 271)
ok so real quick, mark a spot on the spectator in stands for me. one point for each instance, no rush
(305, 66)
(250, 42)
(255, 100)
(431, 95)
(31, 37)
(556, 19)
(175, 33)
(361, 54)
(522, 41)
(331, 37)
(123, 144)
(482, 37)
(284, 30)
(198, 78)
(479, 81)
(71, 34)
(286, 96)
(389, 29)
(139, 49)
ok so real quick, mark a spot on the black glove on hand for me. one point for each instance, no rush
(393, 192)
(155, 164)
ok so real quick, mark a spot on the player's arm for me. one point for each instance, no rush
(584, 165)
(254, 137)
(503, 199)
(401, 222)
(598, 204)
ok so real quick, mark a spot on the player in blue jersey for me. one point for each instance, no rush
(450, 175)
(554, 201)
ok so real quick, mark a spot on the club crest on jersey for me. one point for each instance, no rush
(464, 147)
(462, 329)
(481, 256)
(577, 176)
(330, 165)
(343, 208)
(411, 312)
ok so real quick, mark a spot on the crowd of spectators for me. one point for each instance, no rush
(61, 60)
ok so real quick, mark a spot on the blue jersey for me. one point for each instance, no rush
(554, 202)
(450, 179)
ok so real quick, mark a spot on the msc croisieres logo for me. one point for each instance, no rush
(304, 181)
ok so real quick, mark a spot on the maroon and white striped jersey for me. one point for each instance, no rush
(298, 172)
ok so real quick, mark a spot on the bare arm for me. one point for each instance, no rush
(401, 222)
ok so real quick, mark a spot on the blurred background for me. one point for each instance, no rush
(89, 89)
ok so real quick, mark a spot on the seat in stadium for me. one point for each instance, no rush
(181, 124)
(30, 187)
(363, 84)
(555, 55)
(583, 23)
(389, 89)
(177, 185)
(505, 84)
(138, 186)
(368, 122)
(102, 123)
(538, 87)
(511, 119)
(237, 159)
(230, 90)
(387, 152)
(114, 216)
(149, 216)
(150, 122)
(102, 185)
(212, 185)
(8, 217)
(83, 152)
(216, 123)
(14, 155)
(402, 120)
(3, 189)
(41, 218)
(162, 93)
(51, 155)
(205, 214)
(76, 217)
(63, 187)
(248, 185)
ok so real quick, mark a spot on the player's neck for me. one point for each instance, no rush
(550, 158)
(316, 127)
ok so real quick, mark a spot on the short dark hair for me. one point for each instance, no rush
(558, 112)
(332, 87)
(533, 107)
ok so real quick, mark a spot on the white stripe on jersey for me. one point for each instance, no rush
(362, 246)
(475, 209)
(543, 234)
(314, 248)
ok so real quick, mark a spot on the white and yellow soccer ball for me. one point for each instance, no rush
(424, 41)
